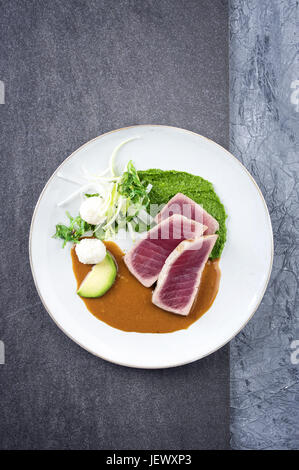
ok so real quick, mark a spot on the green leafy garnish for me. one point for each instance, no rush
(92, 195)
(124, 207)
(74, 231)
(132, 188)
(128, 201)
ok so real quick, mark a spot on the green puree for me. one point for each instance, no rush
(167, 184)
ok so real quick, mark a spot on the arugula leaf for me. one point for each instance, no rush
(74, 231)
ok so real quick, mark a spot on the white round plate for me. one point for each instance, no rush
(245, 263)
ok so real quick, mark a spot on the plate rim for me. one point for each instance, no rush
(178, 364)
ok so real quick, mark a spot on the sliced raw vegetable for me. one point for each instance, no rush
(112, 201)
(115, 152)
(100, 279)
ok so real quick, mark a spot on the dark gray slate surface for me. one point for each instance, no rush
(73, 70)
(264, 115)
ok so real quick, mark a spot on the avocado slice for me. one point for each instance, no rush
(99, 279)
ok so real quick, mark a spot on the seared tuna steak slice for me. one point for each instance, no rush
(179, 279)
(147, 257)
(181, 204)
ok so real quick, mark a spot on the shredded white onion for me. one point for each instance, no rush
(68, 178)
(115, 152)
(149, 188)
(90, 175)
(131, 231)
(106, 187)
(74, 194)
(116, 214)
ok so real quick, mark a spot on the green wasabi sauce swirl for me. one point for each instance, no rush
(166, 184)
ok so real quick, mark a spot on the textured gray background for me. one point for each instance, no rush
(73, 70)
(264, 126)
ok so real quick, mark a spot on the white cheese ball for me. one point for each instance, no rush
(90, 251)
(90, 210)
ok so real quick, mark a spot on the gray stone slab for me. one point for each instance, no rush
(73, 70)
(264, 125)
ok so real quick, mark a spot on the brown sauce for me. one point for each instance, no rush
(128, 306)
